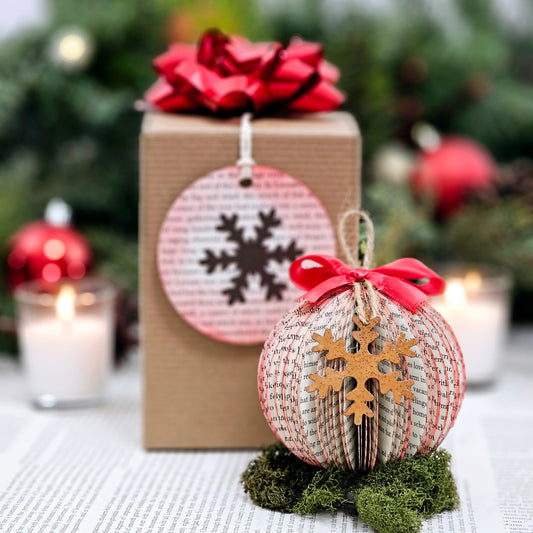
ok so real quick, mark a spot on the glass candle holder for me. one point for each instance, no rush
(66, 340)
(476, 304)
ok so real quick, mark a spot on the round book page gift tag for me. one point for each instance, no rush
(225, 248)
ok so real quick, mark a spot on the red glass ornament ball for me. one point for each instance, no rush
(46, 252)
(458, 165)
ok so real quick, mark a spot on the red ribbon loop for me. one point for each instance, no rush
(229, 75)
(406, 281)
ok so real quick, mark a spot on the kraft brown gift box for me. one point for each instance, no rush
(199, 392)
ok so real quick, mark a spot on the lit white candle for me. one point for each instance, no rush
(478, 313)
(67, 353)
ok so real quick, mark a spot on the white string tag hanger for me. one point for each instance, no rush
(246, 162)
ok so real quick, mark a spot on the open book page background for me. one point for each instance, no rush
(85, 470)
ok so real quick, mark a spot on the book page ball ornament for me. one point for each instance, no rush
(363, 369)
(226, 245)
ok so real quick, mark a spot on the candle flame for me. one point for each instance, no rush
(473, 281)
(455, 294)
(65, 303)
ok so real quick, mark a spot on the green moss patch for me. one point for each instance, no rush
(393, 498)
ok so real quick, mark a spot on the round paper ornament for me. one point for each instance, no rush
(225, 248)
(48, 249)
(450, 170)
(362, 369)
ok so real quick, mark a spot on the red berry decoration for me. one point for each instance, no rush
(48, 249)
(451, 170)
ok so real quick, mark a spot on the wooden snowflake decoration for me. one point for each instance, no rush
(362, 366)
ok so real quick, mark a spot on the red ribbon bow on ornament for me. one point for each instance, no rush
(230, 75)
(397, 280)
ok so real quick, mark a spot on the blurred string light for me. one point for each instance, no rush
(425, 136)
(71, 49)
(393, 164)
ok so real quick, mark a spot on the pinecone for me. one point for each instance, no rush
(126, 324)
(514, 180)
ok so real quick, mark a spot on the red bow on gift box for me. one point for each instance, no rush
(230, 75)
(406, 281)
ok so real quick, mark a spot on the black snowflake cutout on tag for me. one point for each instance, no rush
(251, 256)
